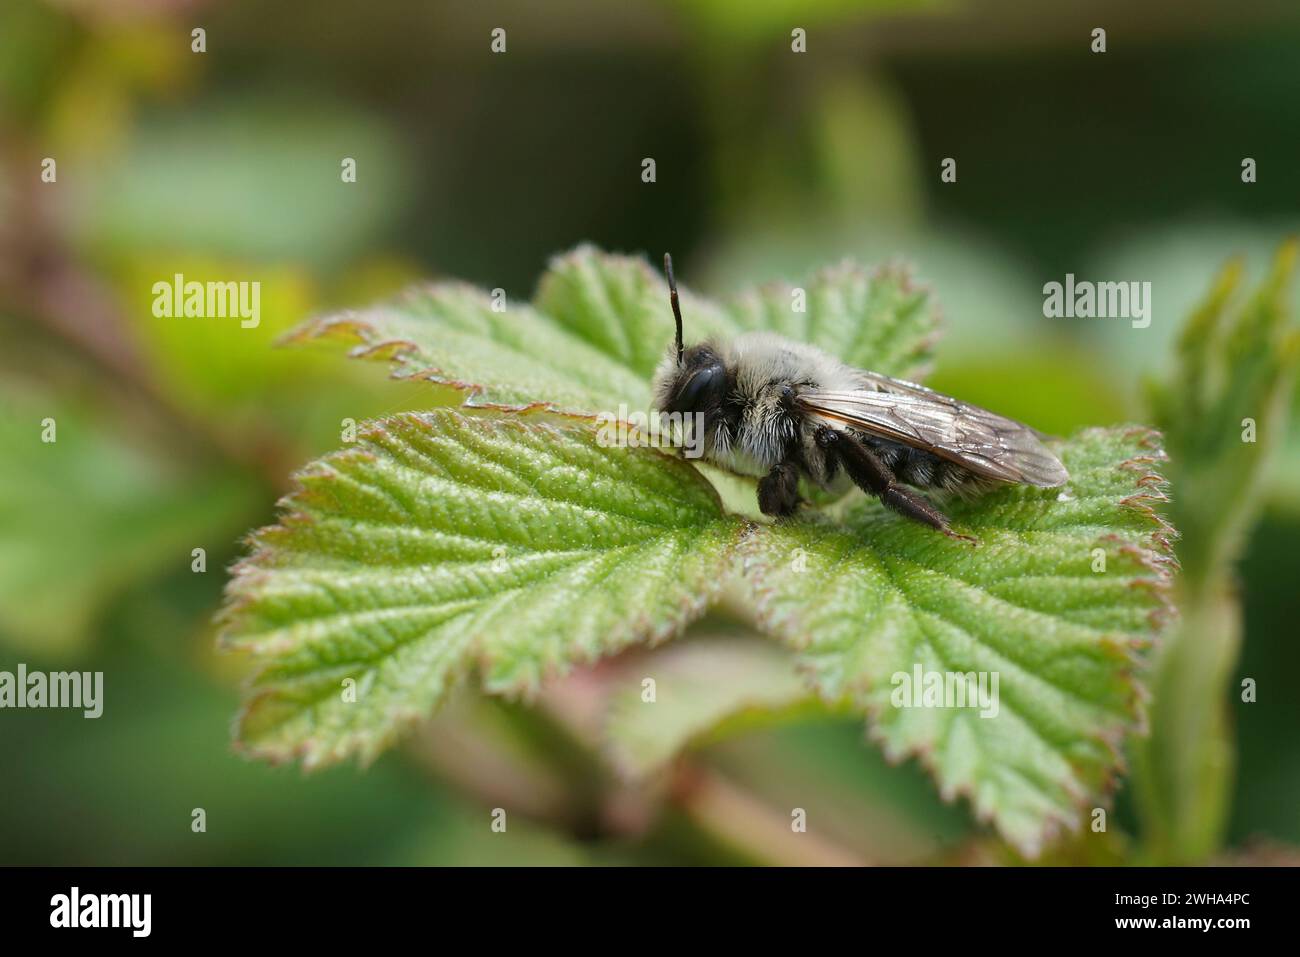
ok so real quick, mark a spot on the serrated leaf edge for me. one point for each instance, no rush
(1155, 554)
(246, 572)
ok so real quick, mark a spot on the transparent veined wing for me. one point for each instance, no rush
(987, 444)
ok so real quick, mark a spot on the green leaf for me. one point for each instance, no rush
(876, 597)
(450, 334)
(878, 320)
(619, 306)
(704, 689)
(600, 323)
(384, 570)
(443, 544)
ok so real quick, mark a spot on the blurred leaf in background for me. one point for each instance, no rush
(258, 179)
(98, 507)
(1224, 411)
(712, 687)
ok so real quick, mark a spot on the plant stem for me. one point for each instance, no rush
(1184, 770)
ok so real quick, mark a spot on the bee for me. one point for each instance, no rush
(780, 410)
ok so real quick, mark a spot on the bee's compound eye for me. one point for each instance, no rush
(699, 389)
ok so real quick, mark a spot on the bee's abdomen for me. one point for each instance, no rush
(922, 469)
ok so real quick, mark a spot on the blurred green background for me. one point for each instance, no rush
(225, 164)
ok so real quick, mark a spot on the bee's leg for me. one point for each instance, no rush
(873, 477)
(778, 490)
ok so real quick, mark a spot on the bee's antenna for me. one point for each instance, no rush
(672, 296)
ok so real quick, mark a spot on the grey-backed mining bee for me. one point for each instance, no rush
(777, 409)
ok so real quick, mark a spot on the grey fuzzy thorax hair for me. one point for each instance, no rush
(758, 427)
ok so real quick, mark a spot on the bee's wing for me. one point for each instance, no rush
(875, 380)
(977, 439)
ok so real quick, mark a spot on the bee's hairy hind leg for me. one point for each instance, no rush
(873, 477)
(778, 490)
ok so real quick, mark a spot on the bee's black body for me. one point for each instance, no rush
(777, 409)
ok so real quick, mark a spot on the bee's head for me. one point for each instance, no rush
(697, 384)
(688, 380)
